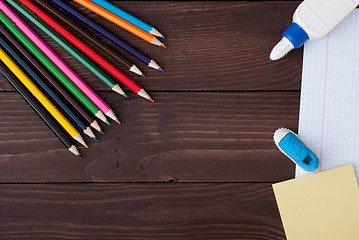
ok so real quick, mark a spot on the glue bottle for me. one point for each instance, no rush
(312, 20)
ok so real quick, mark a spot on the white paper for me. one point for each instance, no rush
(329, 107)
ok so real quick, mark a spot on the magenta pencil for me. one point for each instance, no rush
(58, 62)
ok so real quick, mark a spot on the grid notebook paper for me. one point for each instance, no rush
(329, 107)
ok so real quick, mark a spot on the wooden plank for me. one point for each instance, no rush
(139, 211)
(184, 137)
(219, 46)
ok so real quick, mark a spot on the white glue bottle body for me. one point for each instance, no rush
(312, 20)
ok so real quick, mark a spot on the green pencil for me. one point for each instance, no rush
(51, 67)
(70, 49)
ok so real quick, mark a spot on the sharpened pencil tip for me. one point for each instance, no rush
(160, 69)
(86, 146)
(79, 156)
(118, 121)
(164, 46)
(107, 122)
(124, 95)
(162, 37)
(151, 100)
(102, 132)
(95, 139)
(143, 75)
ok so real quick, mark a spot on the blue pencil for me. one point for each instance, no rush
(128, 17)
(140, 56)
(40, 82)
(38, 108)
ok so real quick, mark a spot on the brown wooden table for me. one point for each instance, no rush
(196, 164)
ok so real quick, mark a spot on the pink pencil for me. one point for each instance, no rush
(58, 62)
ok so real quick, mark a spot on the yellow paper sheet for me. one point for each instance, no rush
(322, 206)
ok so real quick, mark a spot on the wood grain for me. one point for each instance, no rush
(185, 137)
(196, 164)
(211, 46)
(139, 211)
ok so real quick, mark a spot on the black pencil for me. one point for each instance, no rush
(88, 37)
(47, 89)
(30, 59)
(9, 76)
(88, 22)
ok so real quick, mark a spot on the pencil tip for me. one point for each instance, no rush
(102, 132)
(164, 46)
(100, 115)
(154, 65)
(156, 33)
(124, 95)
(119, 90)
(143, 94)
(95, 139)
(79, 156)
(160, 69)
(151, 100)
(107, 122)
(143, 75)
(95, 125)
(135, 69)
(86, 146)
(112, 115)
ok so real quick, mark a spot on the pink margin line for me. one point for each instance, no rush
(325, 91)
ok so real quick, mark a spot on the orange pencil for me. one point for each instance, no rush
(120, 22)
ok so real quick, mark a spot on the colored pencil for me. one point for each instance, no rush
(91, 24)
(87, 36)
(128, 17)
(26, 95)
(41, 97)
(83, 47)
(18, 59)
(30, 59)
(70, 49)
(58, 61)
(51, 67)
(120, 22)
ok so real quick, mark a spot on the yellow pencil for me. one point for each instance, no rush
(41, 97)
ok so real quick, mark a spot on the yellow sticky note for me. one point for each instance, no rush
(321, 206)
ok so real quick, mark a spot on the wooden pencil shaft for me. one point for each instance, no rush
(46, 62)
(79, 44)
(127, 17)
(7, 35)
(116, 20)
(67, 46)
(42, 84)
(77, 29)
(88, 22)
(60, 118)
(75, 79)
(35, 105)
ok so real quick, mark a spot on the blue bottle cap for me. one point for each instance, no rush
(296, 35)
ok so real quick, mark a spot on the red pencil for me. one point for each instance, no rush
(86, 49)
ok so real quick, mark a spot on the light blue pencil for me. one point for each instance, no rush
(128, 17)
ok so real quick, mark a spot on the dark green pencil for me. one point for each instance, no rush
(46, 89)
(68, 47)
(9, 76)
(52, 68)
(40, 68)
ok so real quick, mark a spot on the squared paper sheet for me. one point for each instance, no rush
(322, 206)
(329, 107)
